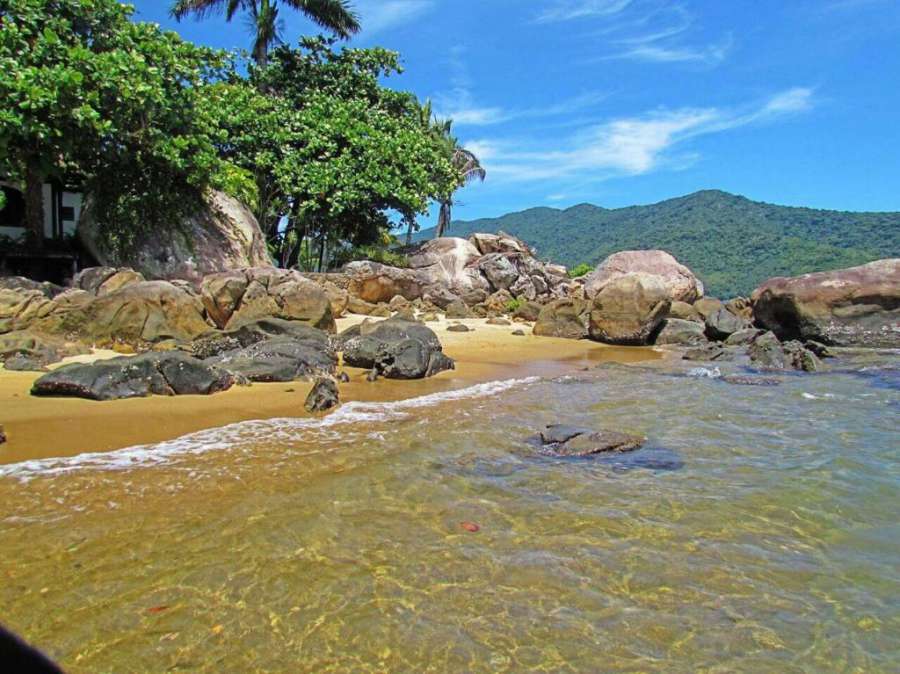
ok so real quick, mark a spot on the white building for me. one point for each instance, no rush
(61, 212)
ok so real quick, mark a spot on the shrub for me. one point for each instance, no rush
(513, 305)
(580, 270)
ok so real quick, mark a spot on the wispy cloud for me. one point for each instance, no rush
(379, 15)
(632, 145)
(658, 52)
(567, 10)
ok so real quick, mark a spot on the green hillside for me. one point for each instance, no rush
(732, 243)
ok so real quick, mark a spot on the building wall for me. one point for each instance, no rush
(69, 200)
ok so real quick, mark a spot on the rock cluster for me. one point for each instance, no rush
(395, 348)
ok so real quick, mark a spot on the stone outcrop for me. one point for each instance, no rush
(678, 331)
(223, 235)
(375, 282)
(629, 310)
(170, 373)
(240, 296)
(446, 263)
(721, 324)
(560, 440)
(680, 282)
(859, 306)
(566, 318)
(395, 349)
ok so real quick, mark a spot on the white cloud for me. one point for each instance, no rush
(566, 10)
(653, 51)
(632, 145)
(379, 15)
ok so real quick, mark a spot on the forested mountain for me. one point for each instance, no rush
(731, 242)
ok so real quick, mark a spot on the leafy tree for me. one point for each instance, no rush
(333, 15)
(93, 98)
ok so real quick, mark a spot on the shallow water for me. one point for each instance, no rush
(757, 532)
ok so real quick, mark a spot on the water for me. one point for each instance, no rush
(757, 532)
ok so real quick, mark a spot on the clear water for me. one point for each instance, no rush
(757, 532)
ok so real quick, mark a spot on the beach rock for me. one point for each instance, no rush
(741, 380)
(679, 282)
(499, 243)
(707, 353)
(499, 270)
(566, 318)
(441, 297)
(766, 352)
(23, 300)
(629, 309)
(518, 333)
(743, 337)
(374, 282)
(859, 306)
(721, 324)
(497, 321)
(819, 349)
(459, 310)
(707, 306)
(524, 289)
(171, 373)
(240, 296)
(741, 307)
(677, 331)
(447, 262)
(395, 349)
(46, 349)
(430, 318)
(458, 327)
(527, 311)
(2, 434)
(498, 303)
(801, 358)
(221, 236)
(103, 280)
(323, 396)
(27, 362)
(684, 312)
(560, 440)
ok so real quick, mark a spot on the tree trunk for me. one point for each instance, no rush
(409, 231)
(34, 203)
(443, 219)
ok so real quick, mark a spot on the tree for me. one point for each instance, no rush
(333, 15)
(93, 98)
(468, 168)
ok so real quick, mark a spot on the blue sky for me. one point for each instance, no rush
(619, 102)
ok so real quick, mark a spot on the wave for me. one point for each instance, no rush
(225, 437)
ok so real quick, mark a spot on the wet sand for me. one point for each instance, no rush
(55, 427)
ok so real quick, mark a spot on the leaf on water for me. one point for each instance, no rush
(157, 609)
(471, 527)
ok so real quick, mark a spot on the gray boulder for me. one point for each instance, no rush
(559, 440)
(169, 373)
(323, 396)
(721, 324)
(395, 349)
(677, 331)
(566, 318)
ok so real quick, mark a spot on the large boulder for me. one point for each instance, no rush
(374, 282)
(680, 282)
(721, 324)
(395, 348)
(679, 331)
(447, 263)
(566, 318)
(629, 309)
(104, 280)
(499, 270)
(23, 300)
(169, 373)
(859, 306)
(500, 242)
(240, 296)
(223, 235)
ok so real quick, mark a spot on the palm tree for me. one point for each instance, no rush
(469, 168)
(334, 15)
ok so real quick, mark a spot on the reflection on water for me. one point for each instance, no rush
(757, 532)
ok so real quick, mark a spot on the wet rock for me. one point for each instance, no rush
(559, 440)
(278, 359)
(566, 318)
(344, 378)
(819, 349)
(395, 348)
(679, 282)
(741, 380)
(2, 434)
(766, 352)
(323, 396)
(721, 324)
(171, 373)
(678, 331)
(859, 306)
(743, 337)
(801, 358)
(629, 310)
(707, 352)
(497, 321)
(458, 327)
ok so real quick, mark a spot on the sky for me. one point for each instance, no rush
(622, 102)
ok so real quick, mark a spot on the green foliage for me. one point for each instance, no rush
(580, 270)
(513, 305)
(731, 243)
(92, 98)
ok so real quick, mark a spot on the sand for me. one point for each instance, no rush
(53, 427)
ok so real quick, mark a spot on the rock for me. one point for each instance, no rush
(458, 327)
(819, 349)
(527, 311)
(859, 306)
(743, 337)
(374, 282)
(497, 321)
(741, 380)
(103, 280)
(22, 301)
(344, 378)
(222, 236)
(499, 243)
(629, 310)
(498, 303)
(518, 333)
(559, 440)
(741, 307)
(440, 296)
(707, 352)
(372, 376)
(2, 434)
(27, 362)
(801, 358)
(459, 310)
(323, 396)
(679, 282)
(338, 297)
(524, 289)
(395, 348)
(408, 314)
(448, 262)
(685, 312)
(707, 306)
(721, 324)
(766, 352)
(240, 296)
(171, 373)
(399, 303)
(499, 270)
(540, 285)
(566, 318)
(677, 331)
(44, 349)
(430, 318)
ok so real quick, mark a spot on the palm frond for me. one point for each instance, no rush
(334, 15)
(200, 8)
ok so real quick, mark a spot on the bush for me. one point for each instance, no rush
(513, 305)
(580, 270)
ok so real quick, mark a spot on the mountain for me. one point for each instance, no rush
(731, 242)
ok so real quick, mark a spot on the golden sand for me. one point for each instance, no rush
(44, 427)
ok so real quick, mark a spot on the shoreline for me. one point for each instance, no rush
(40, 428)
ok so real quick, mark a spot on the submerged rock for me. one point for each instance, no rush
(323, 396)
(742, 380)
(561, 440)
(169, 373)
(767, 352)
(395, 349)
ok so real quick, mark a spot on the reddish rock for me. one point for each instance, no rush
(680, 282)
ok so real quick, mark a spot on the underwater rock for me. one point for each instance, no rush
(562, 440)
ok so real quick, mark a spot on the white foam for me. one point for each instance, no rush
(714, 373)
(214, 439)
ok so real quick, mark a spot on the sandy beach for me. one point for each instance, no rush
(51, 427)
